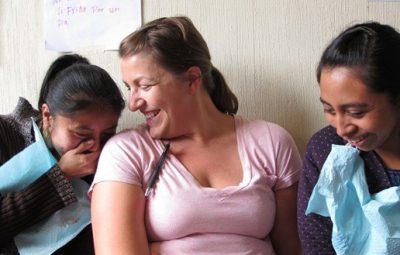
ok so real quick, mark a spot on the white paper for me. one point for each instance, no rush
(78, 24)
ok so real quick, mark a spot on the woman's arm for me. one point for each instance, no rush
(118, 219)
(315, 231)
(284, 235)
(22, 209)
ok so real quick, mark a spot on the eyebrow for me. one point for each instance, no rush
(350, 105)
(136, 81)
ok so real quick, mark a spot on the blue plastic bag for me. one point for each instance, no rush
(54, 232)
(362, 223)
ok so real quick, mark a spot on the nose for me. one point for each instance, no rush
(135, 101)
(344, 127)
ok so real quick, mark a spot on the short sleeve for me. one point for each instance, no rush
(120, 160)
(287, 158)
(272, 150)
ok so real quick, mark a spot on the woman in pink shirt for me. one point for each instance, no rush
(226, 185)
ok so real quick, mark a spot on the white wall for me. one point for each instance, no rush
(267, 50)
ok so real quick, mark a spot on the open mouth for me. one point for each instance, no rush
(151, 115)
(358, 140)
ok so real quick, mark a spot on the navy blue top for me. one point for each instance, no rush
(315, 230)
(394, 177)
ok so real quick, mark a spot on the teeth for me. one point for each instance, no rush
(357, 140)
(150, 115)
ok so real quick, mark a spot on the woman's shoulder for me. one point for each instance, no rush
(325, 137)
(255, 124)
(139, 132)
(17, 126)
(22, 114)
(261, 128)
(137, 137)
(320, 144)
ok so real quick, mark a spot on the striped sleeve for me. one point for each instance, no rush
(20, 210)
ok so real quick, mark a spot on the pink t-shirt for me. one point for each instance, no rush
(183, 217)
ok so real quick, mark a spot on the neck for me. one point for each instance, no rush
(389, 152)
(391, 159)
(208, 124)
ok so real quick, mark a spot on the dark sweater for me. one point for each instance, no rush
(51, 192)
(316, 231)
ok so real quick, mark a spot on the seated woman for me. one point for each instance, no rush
(359, 82)
(79, 107)
(226, 185)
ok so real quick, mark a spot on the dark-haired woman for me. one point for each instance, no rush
(79, 107)
(226, 185)
(359, 82)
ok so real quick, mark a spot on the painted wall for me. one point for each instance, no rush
(267, 50)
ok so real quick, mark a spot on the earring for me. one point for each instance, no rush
(46, 133)
(47, 138)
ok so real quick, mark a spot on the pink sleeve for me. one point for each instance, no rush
(287, 157)
(120, 160)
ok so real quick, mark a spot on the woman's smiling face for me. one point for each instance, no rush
(68, 131)
(368, 120)
(162, 97)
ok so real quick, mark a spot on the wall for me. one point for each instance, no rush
(267, 50)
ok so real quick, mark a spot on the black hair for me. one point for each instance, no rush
(370, 49)
(176, 44)
(72, 84)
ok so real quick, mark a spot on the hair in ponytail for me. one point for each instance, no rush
(373, 51)
(177, 45)
(220, 93)
(72, 84)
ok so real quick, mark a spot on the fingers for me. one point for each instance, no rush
(80, 161)
(87, 163)
(84, 146)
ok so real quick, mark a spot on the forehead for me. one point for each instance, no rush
(343, 86)
(340, 80)
(92, 118)
(140, 65)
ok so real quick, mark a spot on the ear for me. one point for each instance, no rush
(194, 76)
(46, 117)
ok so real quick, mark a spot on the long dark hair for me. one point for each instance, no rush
(373, 51)
(177, 45)
(72, 84)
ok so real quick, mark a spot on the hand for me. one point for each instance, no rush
(79, 162)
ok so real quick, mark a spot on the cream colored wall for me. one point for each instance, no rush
(267, 50)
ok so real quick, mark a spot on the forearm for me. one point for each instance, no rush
(284, 235)
(22, 209)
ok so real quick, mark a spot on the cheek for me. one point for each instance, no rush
(64, 142)
(330, 119)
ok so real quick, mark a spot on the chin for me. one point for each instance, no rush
(154, 134)
(160, 133)
(366, 148)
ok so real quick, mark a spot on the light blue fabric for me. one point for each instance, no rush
(31, 163)
(54, 232)
(362, 223)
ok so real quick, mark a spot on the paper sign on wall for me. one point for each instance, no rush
(78, 24)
